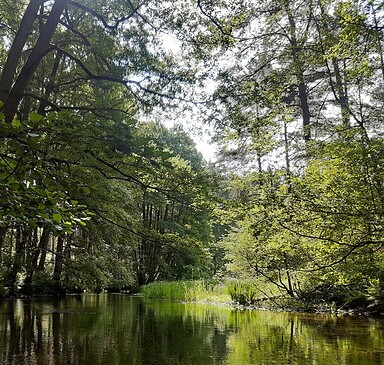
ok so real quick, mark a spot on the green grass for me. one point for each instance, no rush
(187, 291)
(242, 292)
(207, 291)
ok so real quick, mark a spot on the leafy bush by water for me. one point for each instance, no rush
(375, 295)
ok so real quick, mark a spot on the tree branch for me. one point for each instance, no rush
(101, 17)
(117, 80)
(214, 21)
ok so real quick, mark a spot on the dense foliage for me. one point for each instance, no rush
(92, 198)
(95, 193)
(303, 125)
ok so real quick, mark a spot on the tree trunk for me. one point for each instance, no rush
(34, 256)
(298, 69)
(287, 159)
(30, 263)
(43, 246)
(290, 287)
(379, 39)
(342, 96)
(41, 48)
(339, 88)
(17, 262)
(51, 82)
(59, 259)
(3, 233)
(14, 54)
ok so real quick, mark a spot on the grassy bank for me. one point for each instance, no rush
(230, 291)
(245, 293)
(188, 291)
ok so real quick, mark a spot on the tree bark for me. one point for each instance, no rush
(3, 233)
(41, 48)
(43, 245)
(379, 39)
(342, 97)
(298, 69)
(59, 260)
(14, 55)
(51, 83)
(17, 262)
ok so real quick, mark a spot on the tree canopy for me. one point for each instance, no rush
(96, 193)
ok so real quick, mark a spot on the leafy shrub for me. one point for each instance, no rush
(375, 295)
(42, 283)
(89, 274)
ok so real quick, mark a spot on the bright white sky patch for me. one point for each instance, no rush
(171, 43)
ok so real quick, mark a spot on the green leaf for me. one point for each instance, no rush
(57, 217)
(16, 123)
(2, 116)
(1, 104)
(51, 116)
(35, 118)
(32, 223)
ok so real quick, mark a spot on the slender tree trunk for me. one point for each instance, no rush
(17, 261)
(287, 160)
(289, 279)
(30, 262)
(51, 82)
(338, 86)
(34, 256)
(3, 233)
(43, 246)
(41, 48)
(14, 54)
(379, 40)
(298, 69)
(342, 97)
(59, 259)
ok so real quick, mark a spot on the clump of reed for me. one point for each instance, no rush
(187, 291)
(242, 292)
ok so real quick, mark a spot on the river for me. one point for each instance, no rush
(109, 329)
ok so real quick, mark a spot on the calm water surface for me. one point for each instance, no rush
(119, 329)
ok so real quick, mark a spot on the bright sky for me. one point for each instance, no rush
(203, 145)
(207, 149)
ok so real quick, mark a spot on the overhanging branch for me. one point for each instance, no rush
(101, 17)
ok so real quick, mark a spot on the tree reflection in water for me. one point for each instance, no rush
(118, 329)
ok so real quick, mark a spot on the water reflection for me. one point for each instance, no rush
(118, 329)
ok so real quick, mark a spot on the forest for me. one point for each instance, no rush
(102, 186)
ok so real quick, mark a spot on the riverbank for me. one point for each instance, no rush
(247, 296)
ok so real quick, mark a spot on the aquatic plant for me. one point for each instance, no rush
(190, 291)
